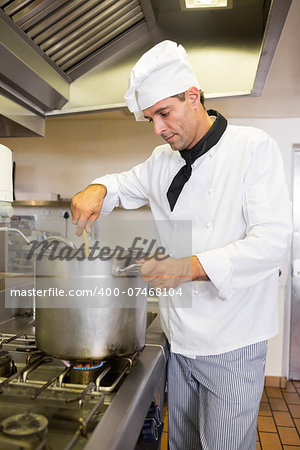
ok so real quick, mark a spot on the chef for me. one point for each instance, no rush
(229, 183)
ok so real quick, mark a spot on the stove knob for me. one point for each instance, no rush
(154, 413)
(151, 424)
(150, 431)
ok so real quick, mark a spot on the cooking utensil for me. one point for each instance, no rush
(86, 243)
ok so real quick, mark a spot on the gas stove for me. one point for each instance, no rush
(50, 404)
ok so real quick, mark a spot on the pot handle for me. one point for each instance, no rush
(133, 269)
(49, 238)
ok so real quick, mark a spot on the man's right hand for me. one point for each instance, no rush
(86, 207)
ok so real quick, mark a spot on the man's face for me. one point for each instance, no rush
(175, 121)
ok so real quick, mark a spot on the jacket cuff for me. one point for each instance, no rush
(218, 268)
(111, 200)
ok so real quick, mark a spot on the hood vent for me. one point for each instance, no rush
(70, 32)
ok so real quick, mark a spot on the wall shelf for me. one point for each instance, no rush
(44, 203)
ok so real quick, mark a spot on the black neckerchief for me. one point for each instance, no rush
(210, 139)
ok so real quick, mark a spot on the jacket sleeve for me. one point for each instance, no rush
(267, 213)
(127, 189)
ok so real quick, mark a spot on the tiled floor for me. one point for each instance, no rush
(278, 419)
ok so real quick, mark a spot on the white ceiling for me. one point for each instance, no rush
(280, 97)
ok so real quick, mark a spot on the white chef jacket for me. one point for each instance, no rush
(238, 202)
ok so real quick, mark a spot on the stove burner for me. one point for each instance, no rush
(84, 372)
(24, 425)
(89, 366)
(85, 365)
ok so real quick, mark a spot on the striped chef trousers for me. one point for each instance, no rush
(213, 401)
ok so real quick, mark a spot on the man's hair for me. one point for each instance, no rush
(181, 97)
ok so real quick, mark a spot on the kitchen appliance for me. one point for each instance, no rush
(294, 372)
(6, 211)
(6, 190)
(50, 403)
(46, 403)
(106, 319)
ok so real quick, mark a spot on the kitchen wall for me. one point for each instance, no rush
(75, 151)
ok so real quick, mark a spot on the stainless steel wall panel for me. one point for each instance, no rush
(295, 306)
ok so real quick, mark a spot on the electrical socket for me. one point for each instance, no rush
(47, 212)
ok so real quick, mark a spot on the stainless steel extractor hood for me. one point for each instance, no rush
(50, 49)
(71, 33)
(46, 44)
(17, 121)
(29, 85)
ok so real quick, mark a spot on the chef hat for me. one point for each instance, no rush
(161, 72)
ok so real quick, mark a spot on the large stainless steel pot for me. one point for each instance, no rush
(89, 327)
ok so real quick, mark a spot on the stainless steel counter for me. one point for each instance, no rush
(125, 417)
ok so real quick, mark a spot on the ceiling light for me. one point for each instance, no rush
(205, 4)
